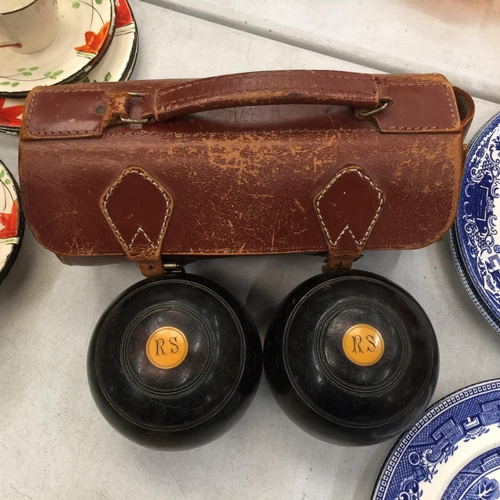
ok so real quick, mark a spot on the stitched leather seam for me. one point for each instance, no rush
(61, 132)
(237, 77)
(128, 246)
(417, 128)
(414, 84)
(450, 106)
(347, 228)
(359, 77)
(171, 104)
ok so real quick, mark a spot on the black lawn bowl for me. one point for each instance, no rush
(174, 362)
(351, 358)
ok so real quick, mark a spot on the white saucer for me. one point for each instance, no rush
(116, 65)
(85, 31)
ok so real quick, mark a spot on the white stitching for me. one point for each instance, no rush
(347, 228)
(202, 82)
(436, 84)
(369, 78)
(128, 246)
(194, 99)
(63, 132)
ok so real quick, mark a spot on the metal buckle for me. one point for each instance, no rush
(139, 121)
(173, 268)
(384, 104)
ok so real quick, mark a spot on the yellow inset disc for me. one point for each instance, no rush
(167, 347)
(363, 345)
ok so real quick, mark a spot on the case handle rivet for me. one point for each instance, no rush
(100, 109)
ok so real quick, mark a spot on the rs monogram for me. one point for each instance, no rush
(363, 345)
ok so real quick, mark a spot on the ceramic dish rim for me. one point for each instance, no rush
(468, 283)
(460, 244)
(87, 67)
(401, 437)
(21, 224)
(125, 74)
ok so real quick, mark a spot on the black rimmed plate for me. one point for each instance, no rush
(86, 29)
(116, 65)
(11, 221)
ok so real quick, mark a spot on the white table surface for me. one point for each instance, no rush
(393, 36)
(54, 443)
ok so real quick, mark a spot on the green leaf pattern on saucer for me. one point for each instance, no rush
(86, 29)
(117, 64)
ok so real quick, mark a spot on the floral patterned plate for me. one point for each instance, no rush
(116, 65)
(86, 28)
(11, 221)
(451, 453)
(478, 217)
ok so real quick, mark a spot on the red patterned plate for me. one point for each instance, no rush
(11, 221)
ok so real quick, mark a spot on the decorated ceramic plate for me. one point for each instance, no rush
(11, 221)
(478, 218)
(85, 32)
(492, 319)
(118, 62)
(116, 65)
(451, 453)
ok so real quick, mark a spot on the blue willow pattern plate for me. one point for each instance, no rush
(452, 452)
(478, 479)
(492, 319)
(478, 224)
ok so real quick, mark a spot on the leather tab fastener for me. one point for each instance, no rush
(138, 210)
(69, 113)
(348, 208)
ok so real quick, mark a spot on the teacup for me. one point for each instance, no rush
(28, 26)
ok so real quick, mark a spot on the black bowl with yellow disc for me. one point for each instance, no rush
(351, 358)
(174, 362)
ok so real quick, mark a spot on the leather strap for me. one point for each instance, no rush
(263, 88)
(138, 209)
(348, 208)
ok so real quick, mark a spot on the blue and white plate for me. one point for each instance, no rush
(492, 319)
(478, 217)
(451, 453)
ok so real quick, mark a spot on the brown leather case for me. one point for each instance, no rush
(249, 164)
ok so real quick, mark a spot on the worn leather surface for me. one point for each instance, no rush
(250, 89)
(346, 231)
(95, 111)
(127, 206)
(277, 172)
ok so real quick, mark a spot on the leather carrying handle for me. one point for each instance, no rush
(270, 87)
